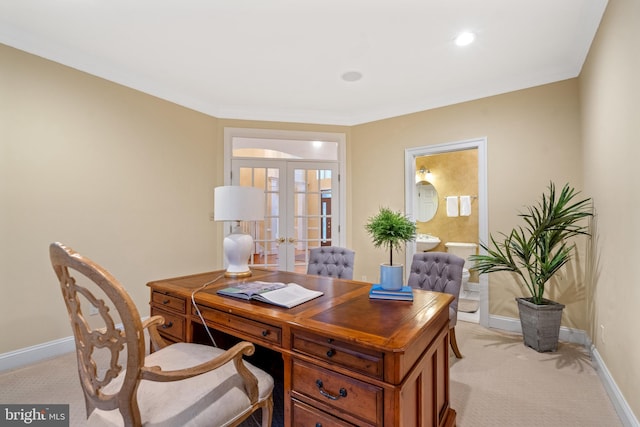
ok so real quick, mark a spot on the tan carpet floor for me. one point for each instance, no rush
(499, 382)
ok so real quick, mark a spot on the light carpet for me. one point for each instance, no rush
(499, 382)
(468, 305)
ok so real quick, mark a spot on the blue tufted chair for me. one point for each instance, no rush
(440, 272)
(331, 261)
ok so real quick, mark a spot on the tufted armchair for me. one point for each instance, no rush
(181, 384)
(440, 272)
(331, 261)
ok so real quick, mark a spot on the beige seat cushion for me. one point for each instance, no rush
(205, 400)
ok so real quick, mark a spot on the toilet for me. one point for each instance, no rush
(464, 250)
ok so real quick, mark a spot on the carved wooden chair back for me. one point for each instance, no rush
(91, 342)
(111, 354)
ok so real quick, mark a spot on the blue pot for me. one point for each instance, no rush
(391, 276)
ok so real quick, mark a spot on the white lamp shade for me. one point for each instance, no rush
(237, 203)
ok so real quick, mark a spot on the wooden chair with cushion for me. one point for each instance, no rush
(331, 261)
(440, 272)
(179, 384)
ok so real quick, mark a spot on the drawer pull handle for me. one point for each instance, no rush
(165, 302)
(167, 325)
(318, 424)
(331, 352)
(265, 333)
(343, 392)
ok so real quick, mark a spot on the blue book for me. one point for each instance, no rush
(408, 297)
(377, 289)
(404, 294)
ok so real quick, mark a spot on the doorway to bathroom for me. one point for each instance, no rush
(453, 178)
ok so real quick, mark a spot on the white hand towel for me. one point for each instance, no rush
(465, 205)
(452, 206)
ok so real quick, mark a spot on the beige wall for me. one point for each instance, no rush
(120, 176)
(124, 178)
(610, 92)
(533, 136)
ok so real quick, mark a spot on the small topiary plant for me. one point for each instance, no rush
(390, 230)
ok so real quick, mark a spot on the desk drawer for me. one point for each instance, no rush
(173, 324)
(351, 396)
(351, 356)
(305, 415)
(258, 330)
(168, 302)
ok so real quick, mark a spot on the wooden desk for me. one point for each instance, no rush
(348, 360)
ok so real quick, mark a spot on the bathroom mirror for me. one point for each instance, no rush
(425, 202)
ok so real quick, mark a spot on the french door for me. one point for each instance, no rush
(301, 205)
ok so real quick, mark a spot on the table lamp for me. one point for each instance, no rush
(237, 203)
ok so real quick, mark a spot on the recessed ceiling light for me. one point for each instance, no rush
(465, 38)
(352, 76)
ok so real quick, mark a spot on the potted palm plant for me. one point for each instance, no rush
(391, 230)
(534, 253)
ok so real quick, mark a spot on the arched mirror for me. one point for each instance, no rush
(425, 202)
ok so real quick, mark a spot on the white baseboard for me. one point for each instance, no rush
(473, 287)
(578, 336)
(36, 353)
(620, 404)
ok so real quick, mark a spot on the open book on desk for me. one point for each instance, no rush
(285, 295)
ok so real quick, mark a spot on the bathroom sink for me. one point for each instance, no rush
(426, 242)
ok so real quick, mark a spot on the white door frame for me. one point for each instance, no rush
(483, 218)
(295, 135)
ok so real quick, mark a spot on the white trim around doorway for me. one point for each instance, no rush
(295, 135)
(483, 219)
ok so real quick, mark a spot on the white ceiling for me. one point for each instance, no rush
(282, 60)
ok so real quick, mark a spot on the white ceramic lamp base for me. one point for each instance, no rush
(237, 250)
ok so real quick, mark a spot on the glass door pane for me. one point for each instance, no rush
(313, 188)
(301, 206)
(269, 250)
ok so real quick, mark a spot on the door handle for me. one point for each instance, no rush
(283, 240)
